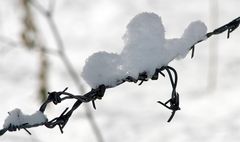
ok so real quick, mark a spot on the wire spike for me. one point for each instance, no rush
(65, 89)
(171, 117)
(228, 33)
(141, 82)
(162, 74)
(61, 129)
(93, 103)
(164, 104)
(3, 131)
(193, 49)
(64, 111)
(27, 131)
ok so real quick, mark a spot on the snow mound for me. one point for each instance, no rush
(145, 49)
(144, 42)
(17, 118)
(103, 68)
(196, 31)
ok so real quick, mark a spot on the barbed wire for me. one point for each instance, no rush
(229, 27)
(48, 15)
(98, 93)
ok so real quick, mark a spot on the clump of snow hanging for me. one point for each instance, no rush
(179, 47)
(145, 49)
(17, 118)
(103, 68)
(196, 31)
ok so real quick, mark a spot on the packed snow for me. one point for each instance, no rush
(178, 48)
(103, 68)
(145, 49)
(17, 118)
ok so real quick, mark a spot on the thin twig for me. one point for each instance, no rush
(61, 48)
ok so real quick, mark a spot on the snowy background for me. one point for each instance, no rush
(128, 112)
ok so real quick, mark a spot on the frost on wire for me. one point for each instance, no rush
(145, 49)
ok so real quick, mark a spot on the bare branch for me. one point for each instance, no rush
(61, 50)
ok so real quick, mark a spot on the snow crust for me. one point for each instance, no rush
(17, 118)
(145, 49)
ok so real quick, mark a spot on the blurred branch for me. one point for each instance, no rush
(63, 56)
(32, 40)
(61, 48)
(43, 74)
(48, 14)
(29, 33)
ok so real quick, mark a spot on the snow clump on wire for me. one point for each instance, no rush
(145, 49)
(17, 118)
